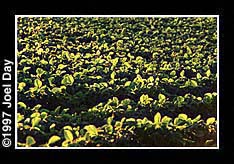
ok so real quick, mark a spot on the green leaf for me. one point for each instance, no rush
(53, 139)
(37, 83)
(44, 62)
(30, 141)
(40, 50)
(210, 121)
(182, 73)
(25, 69)
(208, 95)
(113, 75)
(199, 98)
(67, 80)
(157, 118)
(114, 62)
(142, 98)
(189, 51)
(180, 99)
(150, 79)
(196, 119)
(173, 73)
(35, 114)
(44, 115)
(52, 126)
(182, 116)
(56, 90)
(21, 86)
(118, 125)
(92, 130)
(61, 66)
(176, 121)
(51, 79)
(170, 80)
(127, 83)
(65, 143)
(181, 127)
(68, 135)
(108, 128)
(19, 117)
(115, 100)
(208, 98)
(193, 83)
(137, 71)
(35, 121)
(109, 120)
(22, 105)
(130, 120)
(161, 98)
(67, 128)
(127, 65)
(40, 71)
(199, 76)
(38, 106)
(208, 73)
(166, 120)
(145, 99)
(126, 102)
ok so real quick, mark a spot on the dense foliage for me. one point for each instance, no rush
(117, 81)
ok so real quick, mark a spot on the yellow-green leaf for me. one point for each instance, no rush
(157, 118)
(67, 128)
(52, 125)
(35, 121)
(37, 83)
(208, 73)
(19, 117)
(21, 86)
(210, 120)
(91, 129)
(68, 135)
(127, 83)
(182, 116)
(193, 83)
(22, 105)
(113, 75)
(30, 141)
(53, 139)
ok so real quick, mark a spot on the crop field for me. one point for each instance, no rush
(117, 82)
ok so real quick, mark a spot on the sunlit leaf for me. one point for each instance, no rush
(53, 139)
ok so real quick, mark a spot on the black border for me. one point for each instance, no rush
(118, 155)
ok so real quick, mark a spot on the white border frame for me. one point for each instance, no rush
(89, 16)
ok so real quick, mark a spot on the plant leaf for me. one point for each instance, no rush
(30, 141)
(210, 120)
(193, 83)
(113, 75)
(127, 83)
(68, 135)
(92, 130)
(53, 139)
(35, 121)
(22, 105)
(161, 98)
(182, 116)
(109, 120)
(37, 83)
(157, 118)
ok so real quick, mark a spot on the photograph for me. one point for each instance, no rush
(116, 81)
